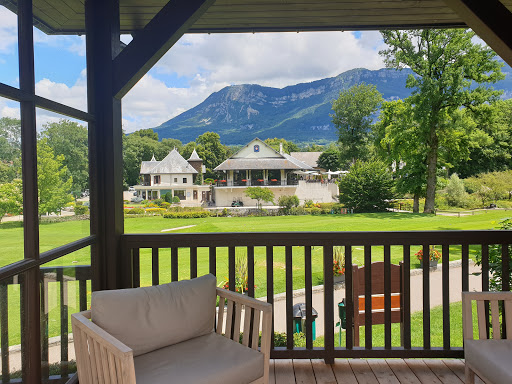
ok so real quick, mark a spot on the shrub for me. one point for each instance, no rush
(158, 202)
(368, 187)
(187, 215)
(156, 211)
(176, 200)
(168, 197)
(135, 211)
(299, 339)
(298, 211)
(456, 195)
(313, 211)
(81, 209)
(287, 202)
(308, 203)
(165, 205)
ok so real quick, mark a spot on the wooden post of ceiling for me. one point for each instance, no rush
(105, 146)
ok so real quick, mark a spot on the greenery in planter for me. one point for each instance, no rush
(434, 254)
(338, 267)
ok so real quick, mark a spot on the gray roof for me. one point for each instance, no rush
(299, 163)
(172, 163)
(310, 158)
(194, 156)
(264, 163)
(147, 166)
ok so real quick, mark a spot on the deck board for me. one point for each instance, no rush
(371, 371)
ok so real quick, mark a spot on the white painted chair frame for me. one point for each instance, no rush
(101, 358)
(467, 321)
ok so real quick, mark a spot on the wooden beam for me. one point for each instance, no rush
(149, 45)
(491, 20)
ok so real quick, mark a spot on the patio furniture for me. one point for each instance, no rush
(167, 334)
(378, 288)
(490, 359)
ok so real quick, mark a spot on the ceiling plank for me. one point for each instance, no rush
(150, 44)
(491, 20)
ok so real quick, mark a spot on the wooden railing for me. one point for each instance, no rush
(63, 276)
(446, 241)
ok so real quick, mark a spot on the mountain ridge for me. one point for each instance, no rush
(299, 112)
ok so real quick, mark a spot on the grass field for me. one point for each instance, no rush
(53, 235)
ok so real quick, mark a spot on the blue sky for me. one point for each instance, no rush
(195, 67)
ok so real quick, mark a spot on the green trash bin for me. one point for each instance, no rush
(299, 319)
(342, 313)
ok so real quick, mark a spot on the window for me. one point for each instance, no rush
(184, 180)
(180, 193)
(156, 179)
(175, 179)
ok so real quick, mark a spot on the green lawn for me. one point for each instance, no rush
(52, 235)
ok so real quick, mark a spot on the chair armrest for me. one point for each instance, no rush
(100, 357)
(245, 300)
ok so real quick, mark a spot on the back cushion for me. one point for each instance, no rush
(150, 318)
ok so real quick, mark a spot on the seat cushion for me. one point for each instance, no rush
(208, 359)
(150, 318)
(492, 358)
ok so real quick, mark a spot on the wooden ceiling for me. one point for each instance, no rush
(67, 16)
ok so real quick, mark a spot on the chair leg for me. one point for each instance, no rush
(470, 376)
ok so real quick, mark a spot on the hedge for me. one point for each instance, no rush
(187, 215)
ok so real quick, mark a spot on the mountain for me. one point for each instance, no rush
(299, 112)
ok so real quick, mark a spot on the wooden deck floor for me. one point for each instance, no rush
(372, 371)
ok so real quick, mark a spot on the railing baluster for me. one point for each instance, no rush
(212, 255)
(155, 267)
(505, 266)
(174, 264)
(232, 266)
(289, 297)
(426, 296)
(136, 267)
(4, 335)
(387, 297)
(63, 285)
(328, 305)
(250, 271)
(270, 285)
(485, 283)
(193, 262)
(465, 267)
(446, 295)
(349, 300)
(368, 297)
(406, 304)
(82, 294)
(45, 362)
(308, 280)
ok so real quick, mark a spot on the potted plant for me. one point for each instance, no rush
(241, 275)
(338, 265)
(434, 256)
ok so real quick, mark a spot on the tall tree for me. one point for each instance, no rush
(210, 149)
(70, 139)
(10, 139)
(449, 71)
(53, 180)
(329, 159)
(353, 116)
(288, 146)
(136, 149)
(147, 132)
(11, 198)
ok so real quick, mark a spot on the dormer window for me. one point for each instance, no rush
(156, 179)
(184, 180)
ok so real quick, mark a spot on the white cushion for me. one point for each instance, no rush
(150, 318)
(209, 359)
(492, 358)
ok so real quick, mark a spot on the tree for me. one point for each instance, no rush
(491, 186)
(210, 149)
(147, 132)
(353, 113)
(53, 180)
(330, 158)
(187, 149)
(368, 187)
(260, 194)
(10, 139)
(136, 149)
(288, 146)
(287, 202)
(11, 198)
(456, 194)
(70, 139)
(170, 144)
(446, 66)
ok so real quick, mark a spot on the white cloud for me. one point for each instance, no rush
(8, 30)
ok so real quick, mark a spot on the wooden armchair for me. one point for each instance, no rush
(490, 359)
(167, 334)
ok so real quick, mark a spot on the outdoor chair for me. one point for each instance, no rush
(167, 334)
(490, 359)
(377, 284)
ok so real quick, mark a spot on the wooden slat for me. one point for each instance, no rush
(303, 372)
(238, 319)
(212, 257)
(250, 271)
(443, 372)
(247, 326)
(402, 372)
(495, 313)
(323, 372)
(480, 310)
(422, 372)
(343, 372)
(349, 298)
(284, 372)
(255, 329)
(229, 319)
(382, 371)
(193, 262)
(465, 267)
(368, 296)
(387, 297)
(446, 295)
(289, 297)
(328, 304)
(64, 323)
(231, 268)
(485, 282)
(174, 264)
(136, 268)
(270, 285)
(308, 288)
(426, 296)
(155, 269)
(45, 361)
(508, 318)
(271, 370)
(363, 372)
(456, 366)
(82, 294)
(112, 367)
(4, 327)
(406, 270)
(220, 315)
